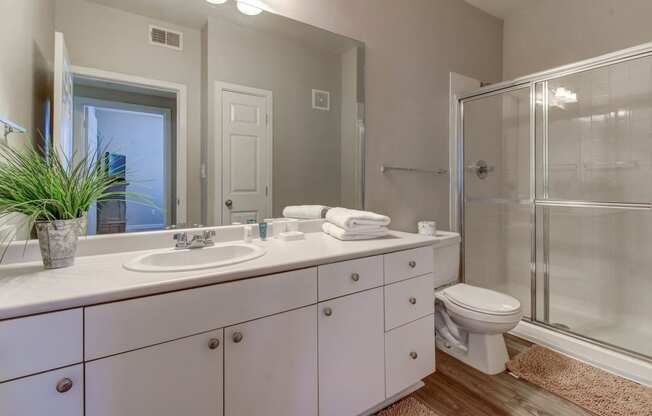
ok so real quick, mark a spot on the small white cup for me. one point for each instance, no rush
(428, 228)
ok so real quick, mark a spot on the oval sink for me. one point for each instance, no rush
(186, 260)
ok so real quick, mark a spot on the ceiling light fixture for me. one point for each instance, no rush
(217, 1)
(250, 7)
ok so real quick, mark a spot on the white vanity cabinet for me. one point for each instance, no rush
(339, 339)
(351, 353)
(271, 366)
(182, 377)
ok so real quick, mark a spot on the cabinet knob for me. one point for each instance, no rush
(414, 355)
(328, 311)
(413, 300)
(64, 385)
(412, 264)
(213, 343)
(237, 337)
(355, 277)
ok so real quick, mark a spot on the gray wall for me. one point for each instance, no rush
(306, 141)
(558, 32)
(411, 48)
(113, 40)
(350, 165)
(27, 53)
(26, 58)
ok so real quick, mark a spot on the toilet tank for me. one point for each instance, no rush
(447, 258)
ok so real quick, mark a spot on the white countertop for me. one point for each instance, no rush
(27, 288)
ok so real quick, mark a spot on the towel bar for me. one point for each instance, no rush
(385, 168)
(11, 127)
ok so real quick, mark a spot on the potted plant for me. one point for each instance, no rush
(54, 195)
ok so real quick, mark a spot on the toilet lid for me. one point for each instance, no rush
(482, 300)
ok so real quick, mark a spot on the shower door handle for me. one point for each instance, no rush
(482, 169)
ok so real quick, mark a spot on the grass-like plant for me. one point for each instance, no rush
(45, 186)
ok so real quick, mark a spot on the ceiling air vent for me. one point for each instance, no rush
(165, 37)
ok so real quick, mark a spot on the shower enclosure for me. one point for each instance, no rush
(554, 190)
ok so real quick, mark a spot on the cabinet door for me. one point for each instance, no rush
(182, 377)
(58, 392)
(271, 366)
(351, 354)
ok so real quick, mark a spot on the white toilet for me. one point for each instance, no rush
(470, 321)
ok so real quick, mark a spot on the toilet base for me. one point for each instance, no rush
(486, 352)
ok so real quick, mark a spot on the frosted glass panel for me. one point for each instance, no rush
(599, 134)
(599, 281)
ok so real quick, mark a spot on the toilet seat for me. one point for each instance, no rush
(480, 304)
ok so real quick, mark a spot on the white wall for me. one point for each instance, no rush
(26, 57)
(411, 46)
(114, 40)
(558, 32)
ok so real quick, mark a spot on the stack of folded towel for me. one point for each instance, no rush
(351, 224)
(305, 212)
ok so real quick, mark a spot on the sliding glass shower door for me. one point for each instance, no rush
(594, 188)
(498, 193)
(556, 191)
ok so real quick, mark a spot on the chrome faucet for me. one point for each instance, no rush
(197, 240)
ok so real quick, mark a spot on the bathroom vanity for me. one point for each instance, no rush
(313, 327)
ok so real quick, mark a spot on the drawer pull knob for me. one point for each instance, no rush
(213, 343)
(328, 311)
(412, 264)
(413, 300)
(414, 355)
(237, 337)
(355, 277)
(64, 385)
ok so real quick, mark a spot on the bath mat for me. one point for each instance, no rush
(591, 388)
(407, 407)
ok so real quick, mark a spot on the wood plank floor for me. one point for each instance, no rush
(459, 390)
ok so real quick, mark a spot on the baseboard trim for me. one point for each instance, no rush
(622, 365)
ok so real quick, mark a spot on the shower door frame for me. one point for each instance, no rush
(457, 188)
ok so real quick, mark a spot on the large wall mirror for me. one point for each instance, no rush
(218, 114)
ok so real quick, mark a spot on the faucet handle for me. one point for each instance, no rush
(208, 234)
(180, 237)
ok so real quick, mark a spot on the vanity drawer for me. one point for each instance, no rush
(409, 300)
(58, 393)
(122, 326)
(343, 278)
(410, 263)
(40, 343)
(409, 354)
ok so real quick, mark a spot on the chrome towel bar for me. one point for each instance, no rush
(386, 168)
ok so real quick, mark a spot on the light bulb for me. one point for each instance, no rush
(248, 9)
(217, 1)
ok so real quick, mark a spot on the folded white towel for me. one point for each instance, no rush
(350, 219)
(347, 235)
(305, 212)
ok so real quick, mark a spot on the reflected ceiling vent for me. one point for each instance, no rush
(321, 100)
(165, 37)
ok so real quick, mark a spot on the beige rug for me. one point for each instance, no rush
(595, 390)
(407, 407)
